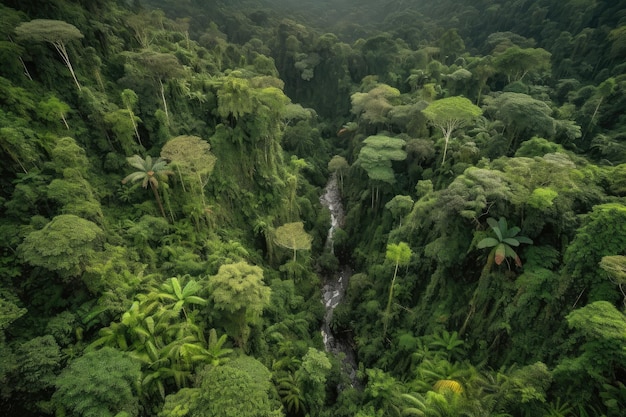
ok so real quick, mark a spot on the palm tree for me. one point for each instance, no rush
(150, 173)
(288, 386)
(503, 242)
(218, 354)
(449, 344)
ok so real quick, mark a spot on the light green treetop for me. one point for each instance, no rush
(192, 155)
(400, 206)
(374, 106)
(399, 254)
(338, 165)
(54, 109)
(55, 32)
(293, 236)
(449, 114)
(517, 62)
(239, 388)
(376, 156)
(238, 290)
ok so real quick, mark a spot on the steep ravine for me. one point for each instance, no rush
(335, 287)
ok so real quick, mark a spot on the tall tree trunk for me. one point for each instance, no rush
(484, 277)
(158, 199)
(65, 121)
(23, 63)
(388, 309)
(445, 148)
(132, 119)
(593, 116)
(167, 116)
(60, 47)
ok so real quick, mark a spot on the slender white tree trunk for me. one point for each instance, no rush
(23, 63)
(65, 121)
(60, 47)
(132, 119)
(167, 116)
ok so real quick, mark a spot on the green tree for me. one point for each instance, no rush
(615, 267)
(75, 195)
(239, 291)
(66, 245)
(56, 32)
(517, 62)
(288, 387)
(400, 206)
(54, 109)
(522, 115)
(376, 159)
(160, 67)
(38, 362)
(374, 106)
(68, 154)
(191, 156)
(449, 114)
(235, 97)
(312, 376)
(399, 254)
(601, 356)
(182, 403)
(601, 234)
(239, 388)
(102, 383)
(617, 37)
(604, 90)
(124, 128)
(130, 99)
(482, 69)
(21, 151)
(384, 392)
(150, 173)
(450, 45)
(159, 329)
(449, 343)
(293, 236)
(338, 164)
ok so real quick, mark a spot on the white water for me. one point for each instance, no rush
(332, 199)
(335, 287)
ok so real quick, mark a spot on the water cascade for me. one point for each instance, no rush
(335, 287)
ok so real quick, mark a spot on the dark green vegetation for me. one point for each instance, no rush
(162, 241)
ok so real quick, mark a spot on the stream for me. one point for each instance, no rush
(335, 287)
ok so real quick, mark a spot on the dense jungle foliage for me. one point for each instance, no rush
(163, 242)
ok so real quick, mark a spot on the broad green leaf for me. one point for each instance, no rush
(513, 231)
(487, 242)
(510, 241)
(176, 287)
(193, 299)
(493, 223)
(503, 226)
